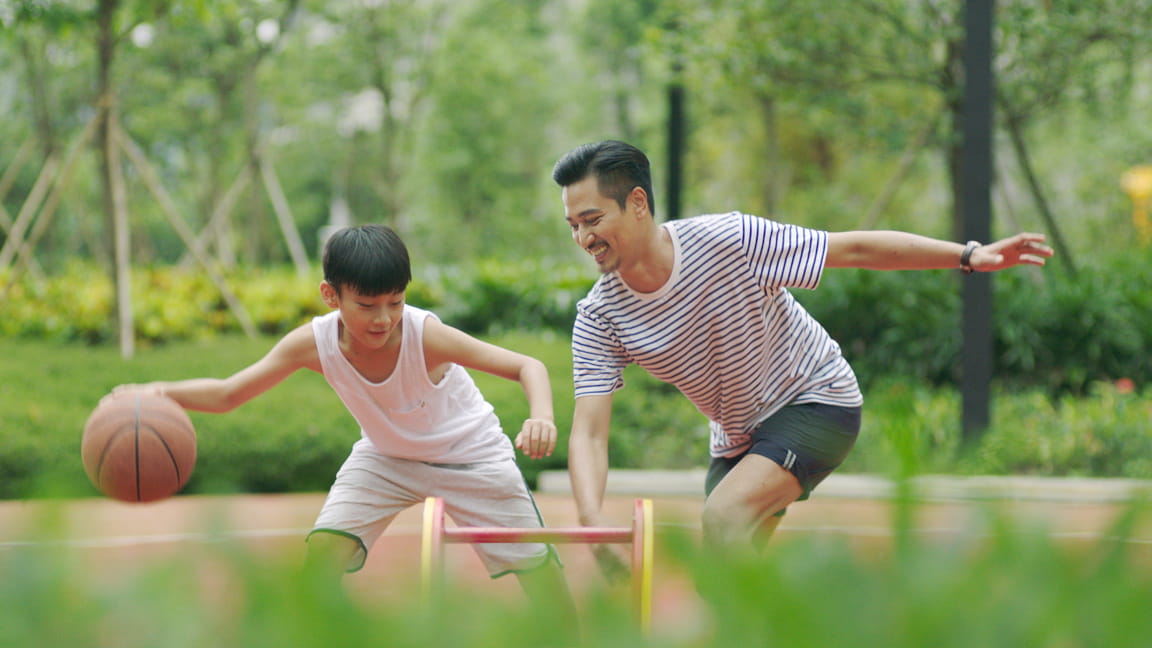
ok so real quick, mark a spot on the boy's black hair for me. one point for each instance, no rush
(370, 259)
(617, 166)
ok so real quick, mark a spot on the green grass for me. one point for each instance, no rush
(294, 437)
(48, 390)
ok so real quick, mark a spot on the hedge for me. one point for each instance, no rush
(1053, 331)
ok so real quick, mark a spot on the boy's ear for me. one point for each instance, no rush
(328, 294)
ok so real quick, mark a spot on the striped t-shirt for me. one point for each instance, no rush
(723, 329)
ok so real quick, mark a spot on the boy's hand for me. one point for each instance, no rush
(150, 388)
(537, 438)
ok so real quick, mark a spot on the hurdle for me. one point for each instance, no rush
(640, 535)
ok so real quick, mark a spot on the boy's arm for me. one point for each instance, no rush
(445, 344)
(888, 250)
(294, 351)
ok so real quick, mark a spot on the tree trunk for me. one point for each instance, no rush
(9, 178)
(284, 218)
(903, 168)
(1016, 135)
(111, 177)
(773, 183)
(24, 256)
(27, 213)
(38, 86)
(168, 206)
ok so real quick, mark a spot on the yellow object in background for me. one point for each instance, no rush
(1137, 182)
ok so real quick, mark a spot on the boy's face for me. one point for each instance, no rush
(371, 321)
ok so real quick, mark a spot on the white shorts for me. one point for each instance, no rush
(371, 489)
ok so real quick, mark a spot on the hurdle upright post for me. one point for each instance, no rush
(642, 554)
(432, 547)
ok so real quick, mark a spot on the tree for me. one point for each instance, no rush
(212, 135)
(481, 137)
(897, 65)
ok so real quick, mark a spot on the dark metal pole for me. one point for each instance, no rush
(976, 208)
(675, 142)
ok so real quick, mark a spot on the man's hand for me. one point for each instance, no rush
(614, 565)
(1022, 249)
(614, 561)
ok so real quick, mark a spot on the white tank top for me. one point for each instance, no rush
(406, 415)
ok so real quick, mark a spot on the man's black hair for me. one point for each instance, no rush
(617, 166)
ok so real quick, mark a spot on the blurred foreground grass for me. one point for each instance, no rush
(1000, 584)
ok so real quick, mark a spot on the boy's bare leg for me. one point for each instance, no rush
(547, 589)
(329, 554)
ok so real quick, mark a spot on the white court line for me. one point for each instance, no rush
(887, 532)
(206, 537)
(167, 538)
(131, 541)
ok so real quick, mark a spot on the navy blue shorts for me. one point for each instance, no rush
(808, 440)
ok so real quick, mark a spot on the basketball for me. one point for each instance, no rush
(138, 446)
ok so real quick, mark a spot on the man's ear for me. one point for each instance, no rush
(638, 201)
(328, 294)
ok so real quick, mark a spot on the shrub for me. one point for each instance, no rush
(493, 296)
(1051, 330)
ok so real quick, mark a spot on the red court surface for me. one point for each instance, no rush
(105, 536)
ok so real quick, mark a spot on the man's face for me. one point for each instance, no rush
(598, 223)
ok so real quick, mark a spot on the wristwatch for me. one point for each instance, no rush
(966, 257)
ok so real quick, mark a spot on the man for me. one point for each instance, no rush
(702, 303)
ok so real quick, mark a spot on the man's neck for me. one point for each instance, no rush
(653, 266)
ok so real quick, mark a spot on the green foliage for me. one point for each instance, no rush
(495, 296)
(168, 303)
(1051, 330)
(295, 437)
(891, 323)
(1076, 330)
(1013, 587)
(1103, 434)
(910, 429)
(443, 117)
(290, 439)
(480, 152)
(1007, 586)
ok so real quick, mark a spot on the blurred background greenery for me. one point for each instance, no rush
(220, 138)
(443, 117)
(223, 138)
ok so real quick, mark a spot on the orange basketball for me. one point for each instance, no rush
(138, 446)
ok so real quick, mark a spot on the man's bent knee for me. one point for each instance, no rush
(743, 505)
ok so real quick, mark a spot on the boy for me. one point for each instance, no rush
(425, 427)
